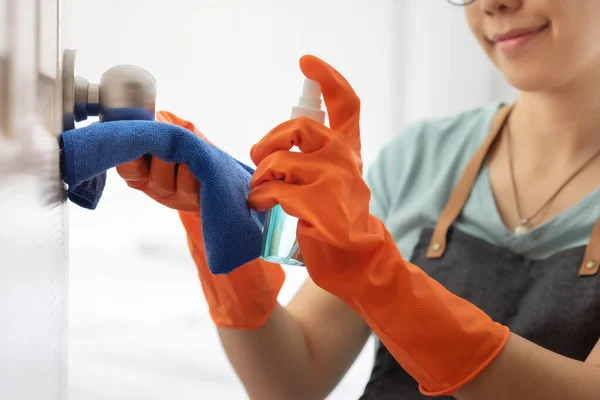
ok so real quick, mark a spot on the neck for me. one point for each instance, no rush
(563, 124)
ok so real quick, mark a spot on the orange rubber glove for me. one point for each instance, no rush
(242, 299)
(172, 185)
(440, 339)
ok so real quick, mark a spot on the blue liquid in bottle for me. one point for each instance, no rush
(279, 238)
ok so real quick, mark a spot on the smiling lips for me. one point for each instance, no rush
(516, 38)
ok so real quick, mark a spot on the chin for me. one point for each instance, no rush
(533, 78)
(524, 82)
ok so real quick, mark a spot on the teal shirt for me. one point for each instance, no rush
(414, 175)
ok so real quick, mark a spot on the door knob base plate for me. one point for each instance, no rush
(68, 89)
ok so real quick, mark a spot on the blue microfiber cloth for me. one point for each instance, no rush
(232, 232)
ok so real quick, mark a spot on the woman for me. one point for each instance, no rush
(497, 204)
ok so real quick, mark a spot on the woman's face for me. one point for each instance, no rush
(539, 45)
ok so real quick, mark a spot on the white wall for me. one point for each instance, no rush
(231, 66)
(138, 322)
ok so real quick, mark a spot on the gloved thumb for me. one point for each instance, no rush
(343, 105)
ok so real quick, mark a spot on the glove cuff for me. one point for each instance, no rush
(440, 339)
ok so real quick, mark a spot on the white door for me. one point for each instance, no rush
(33, 228)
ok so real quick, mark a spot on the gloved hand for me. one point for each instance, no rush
(172, 185)
(242, 299)
(440, 339)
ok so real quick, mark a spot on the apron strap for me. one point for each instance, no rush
(591, 259)
(457, 200)
(437, 246)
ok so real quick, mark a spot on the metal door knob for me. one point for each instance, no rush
(125, 92)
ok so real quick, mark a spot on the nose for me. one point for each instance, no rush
(493, 7)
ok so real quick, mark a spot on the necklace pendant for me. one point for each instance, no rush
(522, 227)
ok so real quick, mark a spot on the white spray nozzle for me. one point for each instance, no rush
(309, 104)
(311, 95)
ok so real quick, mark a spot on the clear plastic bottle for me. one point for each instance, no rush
(279, 233)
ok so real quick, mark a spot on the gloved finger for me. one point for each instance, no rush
(135, 173)
(303, 132)
(292, 198)
(161, 180)
(343, 105)
(186, 182)
(292, 167)
(317, 217)
(271, 193)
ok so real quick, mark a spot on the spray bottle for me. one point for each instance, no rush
(279, 233)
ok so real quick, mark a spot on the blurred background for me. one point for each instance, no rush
(138, 322)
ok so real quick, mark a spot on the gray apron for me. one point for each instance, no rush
(554, 303)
